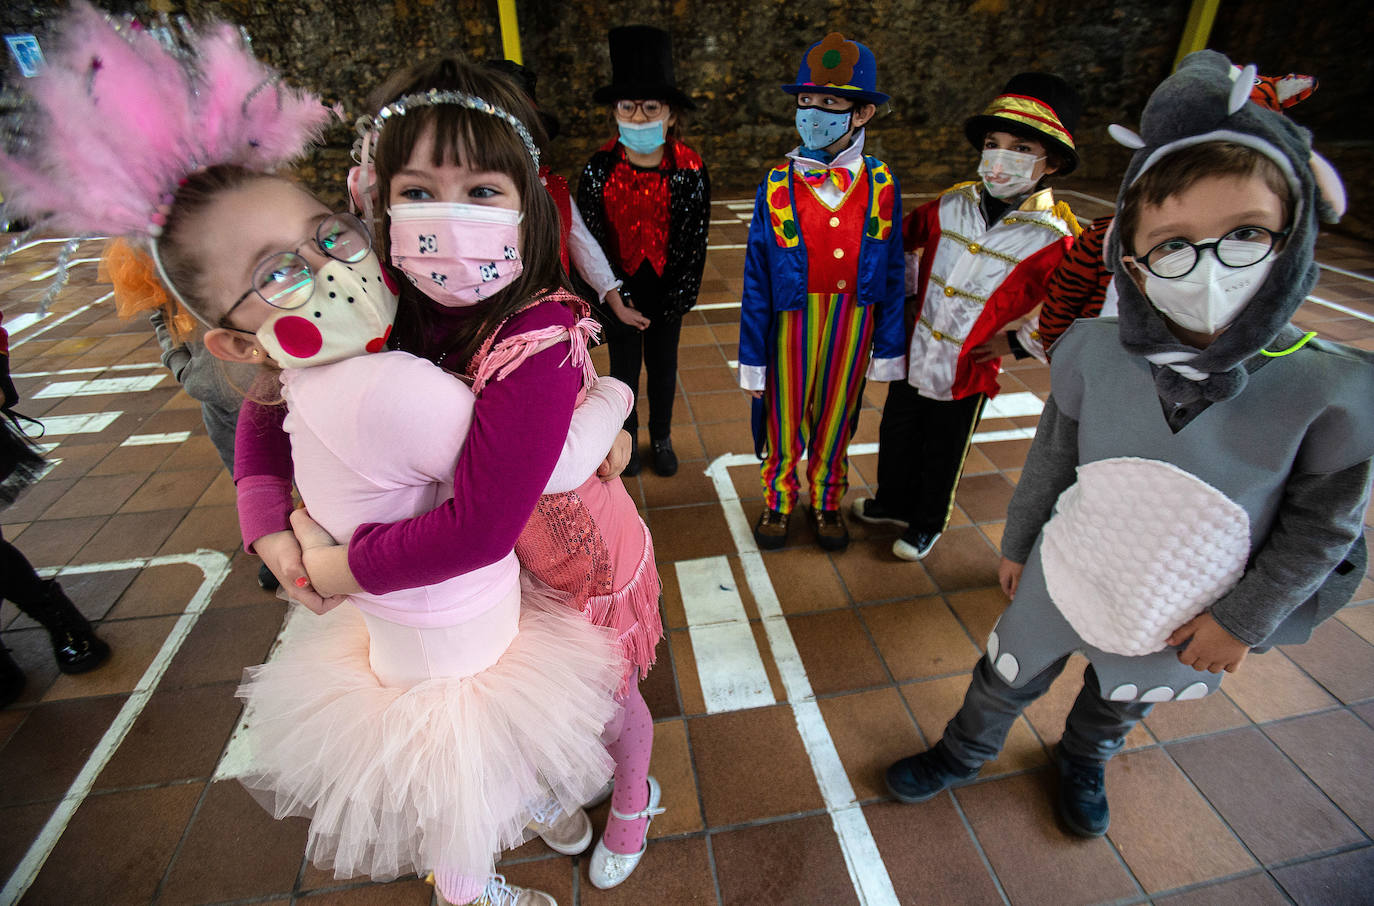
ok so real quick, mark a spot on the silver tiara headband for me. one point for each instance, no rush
(369, 127)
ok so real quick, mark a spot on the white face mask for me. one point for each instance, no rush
(349, 313)
(1007, 174)
(1211, 296)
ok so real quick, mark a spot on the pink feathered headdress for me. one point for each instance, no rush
(117, 120)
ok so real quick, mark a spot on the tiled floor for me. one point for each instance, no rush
(1260, 794)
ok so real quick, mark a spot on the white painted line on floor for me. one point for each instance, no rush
(1344, 309)
(1012, 405)
(237, 757)
(27, 319)
(729, 666)
(99, 386)
(724, 222)
(739, 205)
(866, 869)
(715, 306)
(148, 440)
(214, 566)
(991, 437)
(1340, 270)
(52, 272)
(95, 369)
(91, 423)
(62, 239)
(1086, 196)
(67, 317)
(717, 248)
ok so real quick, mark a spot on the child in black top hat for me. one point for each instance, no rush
(986, 250)
(646, 198)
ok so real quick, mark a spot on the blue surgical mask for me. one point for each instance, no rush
(820, 129)
(642, 138)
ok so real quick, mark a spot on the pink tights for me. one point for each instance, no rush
(631, 750)
(458, 888)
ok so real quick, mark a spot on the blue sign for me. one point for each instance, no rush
(27, 53)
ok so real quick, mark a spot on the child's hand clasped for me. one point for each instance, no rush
(1209, 647)
(994, 348)
(321, 555)
(625, 311)
(1009, 576)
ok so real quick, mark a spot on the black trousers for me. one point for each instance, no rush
(922, 444)
(18, 580)
(655, 347)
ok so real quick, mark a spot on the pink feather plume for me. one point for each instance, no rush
(118, 120)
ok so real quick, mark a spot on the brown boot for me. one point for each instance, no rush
(831, 532)
(771, 531)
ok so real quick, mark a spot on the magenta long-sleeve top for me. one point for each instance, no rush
(518, 429)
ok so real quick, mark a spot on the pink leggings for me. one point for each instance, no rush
(633, 735)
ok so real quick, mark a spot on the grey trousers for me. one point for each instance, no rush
(1094, 732)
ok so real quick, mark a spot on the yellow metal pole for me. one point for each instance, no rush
(1195, 33)
(510, 30)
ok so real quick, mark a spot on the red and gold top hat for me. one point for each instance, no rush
(1034, 105)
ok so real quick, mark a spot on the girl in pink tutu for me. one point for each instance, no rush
(421, 728)
(440, 163)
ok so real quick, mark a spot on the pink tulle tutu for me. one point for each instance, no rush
(447, 772)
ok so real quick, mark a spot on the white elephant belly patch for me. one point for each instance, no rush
(1138, 547)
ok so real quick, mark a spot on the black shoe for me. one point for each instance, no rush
(267, 580)
(665, 460)
(74, 644)
(922, 776)
(868, 509)
(914, 545)
(11, 679)
(632, 465)
(1082, 798)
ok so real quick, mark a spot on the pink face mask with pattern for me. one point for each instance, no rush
(457, 254)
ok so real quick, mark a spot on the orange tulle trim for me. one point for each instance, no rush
(137, 288)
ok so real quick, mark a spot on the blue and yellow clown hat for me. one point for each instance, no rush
(837, 65)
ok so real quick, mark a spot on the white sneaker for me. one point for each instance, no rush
(499, 893)
(914, 546)
(569, 834)
(607, 869)
(865, 509)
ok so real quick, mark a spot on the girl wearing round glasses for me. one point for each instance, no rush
(646, 198)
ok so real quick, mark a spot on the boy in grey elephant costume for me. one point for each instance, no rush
(1199, 478)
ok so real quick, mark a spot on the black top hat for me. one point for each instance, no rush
(642, 68)
(1033, 105)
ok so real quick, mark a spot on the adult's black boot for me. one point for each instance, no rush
(11, 679)
(74, 643)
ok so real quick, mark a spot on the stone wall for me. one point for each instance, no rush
(941, 60)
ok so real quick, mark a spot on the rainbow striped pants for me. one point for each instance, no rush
(811, 395)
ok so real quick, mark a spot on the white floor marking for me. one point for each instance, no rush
(61, 239)
(52, 272)
(1340, 270)
(1336, 306)
(739, 205)
(28, 318)
(724, 222)
(237, 758)
(99, 386)
(1012, 405)
(729, 667)
(736, 245)
(91, 423)
(214, 566)
(67, 317)
(95, 369)
(716, 306)
(991, 437)
(148, 440)
(866, 869)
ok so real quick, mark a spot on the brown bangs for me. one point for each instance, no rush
(477, 141)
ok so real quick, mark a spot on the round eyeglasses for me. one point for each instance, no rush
(284, 279)
(651, 109)
(1242, 247)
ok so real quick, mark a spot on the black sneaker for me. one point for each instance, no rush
(867, 509)
(665, 460)
(914, 545)
(924, 775)
(633, 465)
(1082, 798)
(267, 580)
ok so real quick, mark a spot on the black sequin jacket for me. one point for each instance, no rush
(689, 189)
